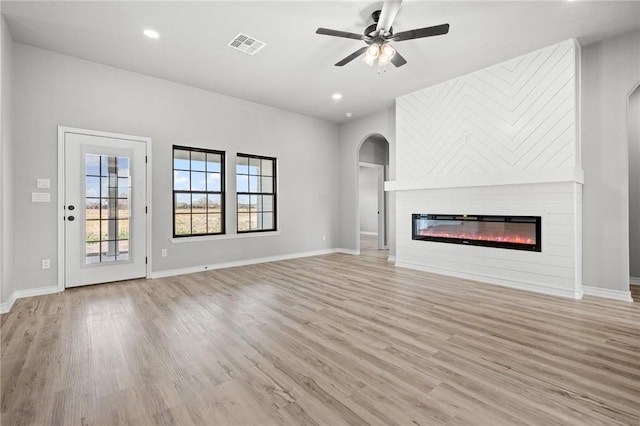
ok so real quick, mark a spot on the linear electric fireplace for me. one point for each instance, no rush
(510, 232)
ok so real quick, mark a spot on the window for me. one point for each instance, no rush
(107, 208)
(198, 192)
(256, 193)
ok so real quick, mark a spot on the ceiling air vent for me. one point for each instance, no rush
(246, 44)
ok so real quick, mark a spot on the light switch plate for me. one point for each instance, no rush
(43, 183)
(40, 197)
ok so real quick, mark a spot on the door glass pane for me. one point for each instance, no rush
(123, 250)
(92, 230)
(123, 208)
(123, 229)
(107, 203)
(92, 188)
(123, 167)
(92, 167)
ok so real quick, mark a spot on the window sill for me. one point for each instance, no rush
(223, 237)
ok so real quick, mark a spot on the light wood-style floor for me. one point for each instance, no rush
(331, 340)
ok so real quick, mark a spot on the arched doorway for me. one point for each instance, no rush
(373, 203)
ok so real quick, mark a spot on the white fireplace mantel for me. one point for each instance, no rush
(521, 177)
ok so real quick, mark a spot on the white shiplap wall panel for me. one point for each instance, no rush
(519, 115)
(487, 143)
(553, 270)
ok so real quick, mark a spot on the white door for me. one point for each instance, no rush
(105, 209)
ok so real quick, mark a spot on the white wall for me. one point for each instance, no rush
(634, 184)
(352, 134)
(499, 141)
(6, 166)
(610, 70)
(368, 200)
(51, 89)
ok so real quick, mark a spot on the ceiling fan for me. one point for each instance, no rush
(379, 36)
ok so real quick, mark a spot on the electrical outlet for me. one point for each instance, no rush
(46, 263)
(164, 252)
(324, 238)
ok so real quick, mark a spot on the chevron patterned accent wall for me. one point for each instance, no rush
(498, 141)
(515, 116)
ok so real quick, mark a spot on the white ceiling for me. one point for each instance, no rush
(295, 70)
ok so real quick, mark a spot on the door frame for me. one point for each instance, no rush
(382, 205)
(62, 131)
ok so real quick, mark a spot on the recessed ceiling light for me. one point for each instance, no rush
(336, 96)
(151, 33)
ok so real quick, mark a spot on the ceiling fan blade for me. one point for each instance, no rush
(390, 9)
(352, 56)
(343, 34)
(398, 60)
(421, 32)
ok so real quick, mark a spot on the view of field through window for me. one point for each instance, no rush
(107, 208)
(198, 191)
(256, 193)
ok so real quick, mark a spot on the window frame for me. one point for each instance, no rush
(249, 193)
(222, 192)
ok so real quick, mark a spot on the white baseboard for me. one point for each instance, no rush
(391, 259)
(19, 294)
(634, 280)
(608, 294)
(368, 233)
(192, 269)
(528, 286)
(348, 251)
(7, 304)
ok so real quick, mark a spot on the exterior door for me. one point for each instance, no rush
(105, 209)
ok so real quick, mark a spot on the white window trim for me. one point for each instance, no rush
(195, 239)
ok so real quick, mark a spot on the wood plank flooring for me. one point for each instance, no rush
(325, 340)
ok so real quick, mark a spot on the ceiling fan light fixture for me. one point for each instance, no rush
(374, 50)
(369, 60)
(372, 54)
(386, 53)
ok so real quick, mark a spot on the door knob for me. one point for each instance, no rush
(70, 218)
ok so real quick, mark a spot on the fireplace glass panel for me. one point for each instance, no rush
(513, 232)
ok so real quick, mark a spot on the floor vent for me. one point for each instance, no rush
(246, 44)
